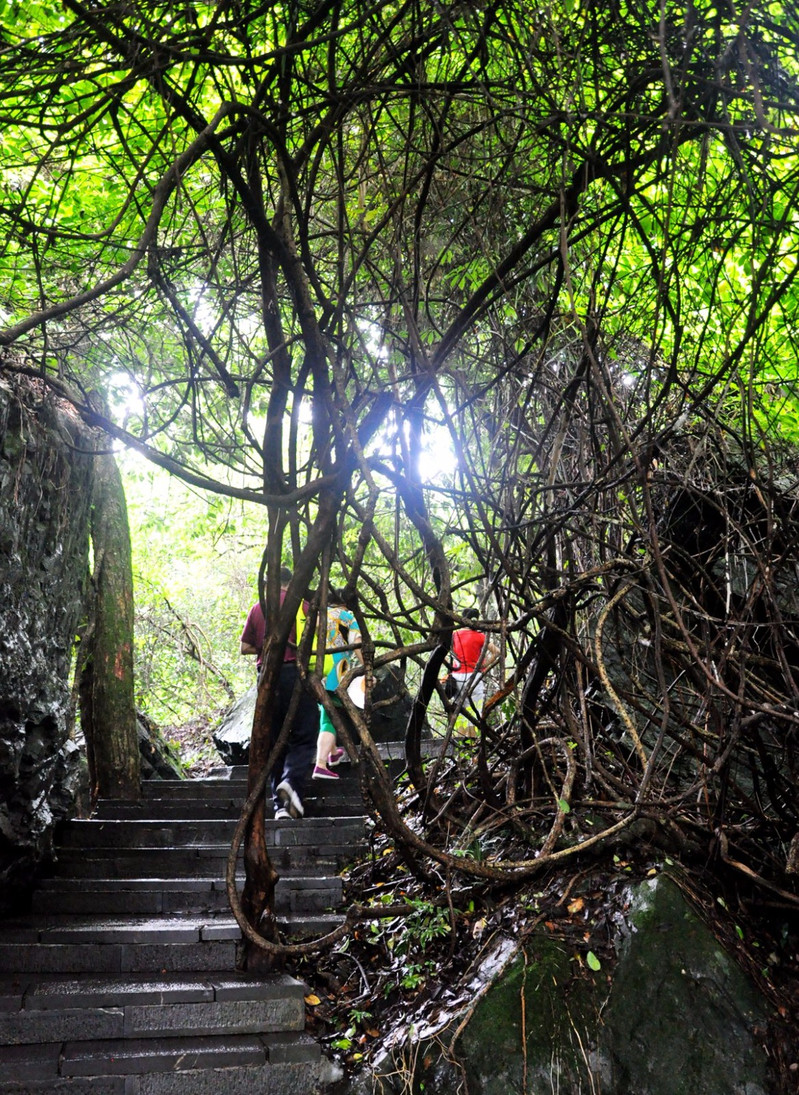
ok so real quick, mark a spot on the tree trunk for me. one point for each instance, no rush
(108, 712)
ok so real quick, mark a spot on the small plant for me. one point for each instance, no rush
(428, 922)
(415, 975)
(357, 1016)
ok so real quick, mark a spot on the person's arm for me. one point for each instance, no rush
(249, 635)
(490, 656)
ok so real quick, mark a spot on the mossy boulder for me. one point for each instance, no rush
(681, 1014)
(673, 1015)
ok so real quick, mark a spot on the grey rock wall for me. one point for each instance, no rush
(45, 480)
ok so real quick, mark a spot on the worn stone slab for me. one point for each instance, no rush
(67, 1025)
(84, 1085)
(11, 995)
(29, 1062)
(149, 904)
(111, 992)
(168, 809)
(139, 1055)
(294, 902)
(220, 929)
(219, 1017)
(21, 932)
(127, 930)
(125, 885)
(295, 1079)
(297, 852)
(244, 987)
(245, 1080)
(327, 830)
(144, 833)
(212, 955)
(103, 902)
(292, 1049)
(305, 927)
(172, 863)
(212, 901)
(66, 958)
(289, 1079)
(118, 958)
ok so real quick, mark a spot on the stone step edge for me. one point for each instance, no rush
(152, 1022)
(194, 884)
(84, 930)
(106, 1058)
(213, 825)
(81, 930)
(42, 991)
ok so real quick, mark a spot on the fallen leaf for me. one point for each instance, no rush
(312, 1000)
(576, 906)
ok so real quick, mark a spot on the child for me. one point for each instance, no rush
(342, 631)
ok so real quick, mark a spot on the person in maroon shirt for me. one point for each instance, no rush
(291, 768)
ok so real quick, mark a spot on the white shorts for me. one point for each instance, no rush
(472, 685)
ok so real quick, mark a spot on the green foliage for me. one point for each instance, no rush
(195, 566)
(467, 300)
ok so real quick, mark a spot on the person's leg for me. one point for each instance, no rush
(464, 726)
(299, 755)
(477, 693)
(325, 744)
(285, 688)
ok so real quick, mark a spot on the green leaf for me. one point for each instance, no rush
(593, 961)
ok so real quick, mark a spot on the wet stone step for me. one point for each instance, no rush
(217, 955)
(179, 863)
(127, 929)
(154, 897)
(48, 991)
(122, 1056)
(299, 928)
(134, 1020)
(282, 1064)
(96, 834)
(350, 805)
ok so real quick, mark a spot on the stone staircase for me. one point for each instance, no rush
(122, 979)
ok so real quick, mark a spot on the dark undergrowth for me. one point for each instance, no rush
(419, 968)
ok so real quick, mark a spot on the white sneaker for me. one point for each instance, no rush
(290, 799)
(282, 814)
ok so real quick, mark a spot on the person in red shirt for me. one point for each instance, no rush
(292, 767)
(470, 661)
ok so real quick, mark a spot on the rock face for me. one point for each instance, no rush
(676, 1016)
(157, 757)
(232, 737)
(45, 478)
(681, 1013)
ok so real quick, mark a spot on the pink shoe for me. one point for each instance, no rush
(323, 773)
(336, 757)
